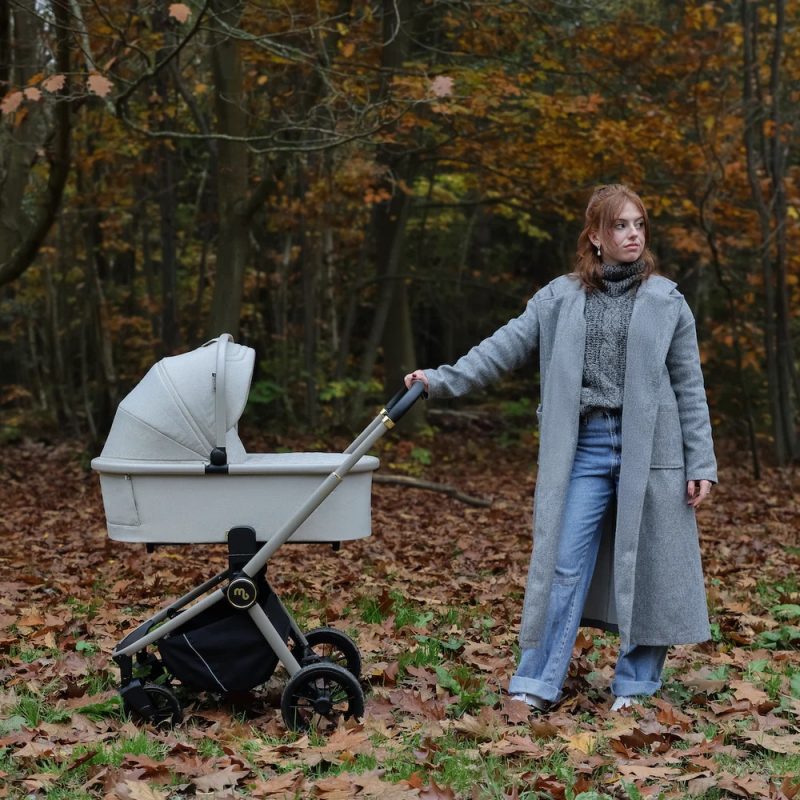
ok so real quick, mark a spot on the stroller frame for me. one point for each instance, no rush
(316, 679)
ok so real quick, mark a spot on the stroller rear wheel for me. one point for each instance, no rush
(330, 646)
(319, 695)
(152, 703)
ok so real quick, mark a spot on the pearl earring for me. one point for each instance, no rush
(598, 251)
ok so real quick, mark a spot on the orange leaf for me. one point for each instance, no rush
(54, 83)
(99, 85)
(11, 102)
(442, 86)
(180, 11)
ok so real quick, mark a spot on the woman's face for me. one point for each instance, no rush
(625, 241)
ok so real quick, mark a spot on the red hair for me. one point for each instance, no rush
(604, 207)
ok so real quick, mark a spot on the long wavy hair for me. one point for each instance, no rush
(602, 211)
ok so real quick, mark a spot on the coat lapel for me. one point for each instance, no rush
(562, 383)
(561, 377)
(653, 319)
(562, 393)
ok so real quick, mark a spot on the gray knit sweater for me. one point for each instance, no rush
(608, 314)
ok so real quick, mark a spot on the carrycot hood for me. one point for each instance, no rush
(170, 414)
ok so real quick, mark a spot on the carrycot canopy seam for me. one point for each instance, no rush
(193, 424)
(163, 435)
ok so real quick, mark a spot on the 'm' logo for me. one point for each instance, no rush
(242, 593)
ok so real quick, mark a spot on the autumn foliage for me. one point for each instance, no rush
(357, 190)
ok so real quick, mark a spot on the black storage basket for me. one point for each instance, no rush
(222, 650)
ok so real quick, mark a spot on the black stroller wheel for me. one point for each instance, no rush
(162, 707)
(330, 646)
(318, 696)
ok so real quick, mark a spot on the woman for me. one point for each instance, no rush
(625, 455)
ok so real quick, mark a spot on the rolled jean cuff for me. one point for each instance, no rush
(519, 685)
(629, 688)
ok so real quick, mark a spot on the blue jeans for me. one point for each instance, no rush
(593, 485)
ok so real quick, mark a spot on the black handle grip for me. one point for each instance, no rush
(395, 397)
(403, 400)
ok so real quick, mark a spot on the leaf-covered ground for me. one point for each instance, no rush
(433, 598)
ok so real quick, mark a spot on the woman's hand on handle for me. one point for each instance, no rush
(416, 375)
(697, 491)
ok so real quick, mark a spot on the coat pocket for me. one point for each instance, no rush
(667, 440)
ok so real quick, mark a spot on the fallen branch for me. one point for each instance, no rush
(404, 480)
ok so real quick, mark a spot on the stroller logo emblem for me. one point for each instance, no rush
(242, 592)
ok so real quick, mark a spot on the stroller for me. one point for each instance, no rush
(174, 471)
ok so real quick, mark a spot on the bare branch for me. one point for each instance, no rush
(120, 101)
(327, 139)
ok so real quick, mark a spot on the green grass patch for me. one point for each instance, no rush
(36, 710)
(142, 744)
(762, 762)
(376, 609)
(304, 609)
(81, 608)
(209, 748)
(99, 682)
(786, 637)
(109, 708)
(30, 654)
(772, 593)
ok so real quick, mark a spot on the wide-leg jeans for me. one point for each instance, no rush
(593, 485)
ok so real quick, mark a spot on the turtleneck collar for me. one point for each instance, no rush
(619, 278)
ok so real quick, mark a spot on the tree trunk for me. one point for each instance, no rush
(391, 324)
(107, 395)
(167, 203)
(390, 254)
(5, 45)
(203, 227)
(21, 237)
(736, 331)
(310, 263)
(19, 150)
(232, 184)
(148, 268)
(777, 344)
(54, 336)
(399, 356)
(170, 335)
(790, 389)
(398, 340)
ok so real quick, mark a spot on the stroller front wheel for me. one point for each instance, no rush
(319, 695)
(152, 703)
(330, 646)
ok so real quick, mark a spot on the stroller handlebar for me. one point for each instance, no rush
(402, 401)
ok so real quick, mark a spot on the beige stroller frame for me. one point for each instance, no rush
(174, 471)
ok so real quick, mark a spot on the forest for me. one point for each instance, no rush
(356, 190)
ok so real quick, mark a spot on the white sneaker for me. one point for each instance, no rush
(532, 700)
(625, 702)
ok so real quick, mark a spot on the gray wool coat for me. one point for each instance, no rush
(648, 581)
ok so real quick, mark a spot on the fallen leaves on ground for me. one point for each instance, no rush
(433, 598)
